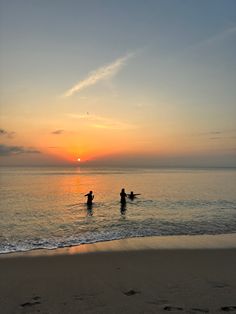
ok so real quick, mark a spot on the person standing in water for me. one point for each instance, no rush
(90, 198)
(123, 196)
(132, 195)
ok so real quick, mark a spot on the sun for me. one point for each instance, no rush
(78, 159)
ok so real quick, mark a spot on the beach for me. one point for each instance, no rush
(117, 157)
(143, 275)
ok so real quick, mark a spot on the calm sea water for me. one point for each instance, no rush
(45, 207)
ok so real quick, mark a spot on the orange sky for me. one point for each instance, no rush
(153, 90)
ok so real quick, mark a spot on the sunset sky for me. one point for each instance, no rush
(143, 83)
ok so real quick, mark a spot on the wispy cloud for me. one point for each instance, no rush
(211, 133)
(102, 73)
(6, 150)
(221, 35)
(215, 38)
(57, 132)
(217, 134)
(207, 133)
(100, 122)
(3, 132)
(6, 133)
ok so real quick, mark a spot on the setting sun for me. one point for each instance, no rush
(78, 159)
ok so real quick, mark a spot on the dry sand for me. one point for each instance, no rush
(146, 280)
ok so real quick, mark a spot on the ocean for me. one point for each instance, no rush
(45, 207)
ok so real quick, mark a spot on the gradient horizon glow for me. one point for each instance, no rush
(119, 83)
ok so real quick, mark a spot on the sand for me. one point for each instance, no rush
(101, 280)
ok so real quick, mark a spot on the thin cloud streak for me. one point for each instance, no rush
(57, 132)
(6, 150)
(215, 38)
(7, 133)
(102, 122)
(99, 74)
(222, 35)
(218, 133)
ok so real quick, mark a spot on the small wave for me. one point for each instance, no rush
(166, 229)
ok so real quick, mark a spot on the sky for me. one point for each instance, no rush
(118, 83)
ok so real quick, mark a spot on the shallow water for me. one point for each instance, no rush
(45, 207)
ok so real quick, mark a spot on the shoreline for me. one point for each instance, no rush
(182, 242)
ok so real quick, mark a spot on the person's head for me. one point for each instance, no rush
(123, 190)
(91, 192)
(131, 192)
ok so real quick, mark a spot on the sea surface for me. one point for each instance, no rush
(46, 207)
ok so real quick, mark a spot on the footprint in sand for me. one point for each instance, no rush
(231, 308)
(172, 308)
(218, 284)
(35, 301)
(130, 292)
(198, 310)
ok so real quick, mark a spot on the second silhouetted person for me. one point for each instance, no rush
(90, 197)
(123, 196)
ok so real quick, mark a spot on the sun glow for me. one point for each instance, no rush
(78, 159)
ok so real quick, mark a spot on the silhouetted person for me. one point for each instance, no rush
(90, 198)
(89, 209)
(123, 209)
(123, 196)
(132, 195)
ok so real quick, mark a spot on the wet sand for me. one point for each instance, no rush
(130, 278)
